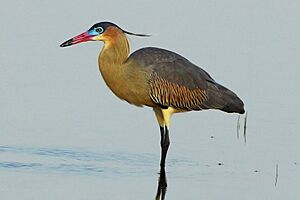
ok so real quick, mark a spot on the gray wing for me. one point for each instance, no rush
(176, 82)
(172, 67)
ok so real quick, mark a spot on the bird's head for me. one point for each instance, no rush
(103, 31)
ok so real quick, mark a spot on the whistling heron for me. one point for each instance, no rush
(154, 77)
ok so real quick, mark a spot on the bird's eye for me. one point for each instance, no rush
(99, 29)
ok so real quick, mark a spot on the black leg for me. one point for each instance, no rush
(164, 143)
(162, 185)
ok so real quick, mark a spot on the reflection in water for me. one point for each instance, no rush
(162, 185)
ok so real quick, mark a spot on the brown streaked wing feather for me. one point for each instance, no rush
(175, 81)
(167, 94)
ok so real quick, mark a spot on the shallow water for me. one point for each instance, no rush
(64, 135)
(69, 161)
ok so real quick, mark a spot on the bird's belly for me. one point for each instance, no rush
(129, 83)
(133, 97)
(133, 93)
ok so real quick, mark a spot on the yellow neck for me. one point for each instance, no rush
(112, 63)
(115, 52)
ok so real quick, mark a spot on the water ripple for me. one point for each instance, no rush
(17, 165)
(80, 161)
(71, 161)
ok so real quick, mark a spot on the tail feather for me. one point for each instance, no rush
(224, 99)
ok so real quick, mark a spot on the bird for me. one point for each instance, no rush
(157, 78)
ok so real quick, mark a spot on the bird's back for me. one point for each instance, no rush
(176, 82)
(171, 67)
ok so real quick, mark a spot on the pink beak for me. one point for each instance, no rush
(83, 37)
